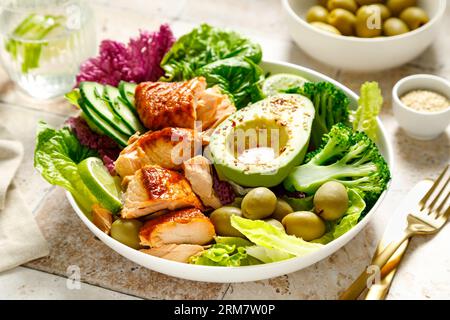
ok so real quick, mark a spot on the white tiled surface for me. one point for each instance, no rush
(425, 273)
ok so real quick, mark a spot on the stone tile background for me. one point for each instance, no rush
(261, 20)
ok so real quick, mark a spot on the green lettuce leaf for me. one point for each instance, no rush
(239, 78)
(202, 46)
(223, 57)
(266, 235)
(56, 157)
(225, 255)
(300, 204)
(365, 117)
(73, 97)
(267, 255)
(348, 221)
(238, 242)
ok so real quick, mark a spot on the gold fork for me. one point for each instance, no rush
(433, 212)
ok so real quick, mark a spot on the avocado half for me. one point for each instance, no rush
(260, 144)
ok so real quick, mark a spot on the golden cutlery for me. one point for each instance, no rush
(379, 291)
(430, 216)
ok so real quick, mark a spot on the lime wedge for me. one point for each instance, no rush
(280, 82)
(102, 185)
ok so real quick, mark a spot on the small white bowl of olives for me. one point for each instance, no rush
(364, 35)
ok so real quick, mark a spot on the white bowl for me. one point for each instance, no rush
(360, 54)
(421, 125)
(258, 272)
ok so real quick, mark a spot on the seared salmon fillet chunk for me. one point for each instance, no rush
(154, 188)
(167, 148)
(181, 104)
(198, 171)
(175, 252)
(186, 226)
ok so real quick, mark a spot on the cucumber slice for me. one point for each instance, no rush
(127, 90)
(112, 95)
(102, 125)
(92, 94)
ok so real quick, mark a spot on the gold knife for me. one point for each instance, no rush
(379, 291)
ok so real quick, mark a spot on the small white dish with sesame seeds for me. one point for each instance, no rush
(425, 123)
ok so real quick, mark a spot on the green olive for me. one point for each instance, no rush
(395, 27)
(275, 223)
(220, 218)
(397, 6)
(304, 224)
(126, 231)
(366, 2)
(325, 27)
(323, 3)
(349, 5)
(342, 20)
(317, 13)
(259, 203)
(331, 200)
(281, 210)
(367, 23)
(385, 13)
(414, 17)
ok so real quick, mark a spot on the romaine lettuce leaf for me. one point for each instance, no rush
(348, 221)
(266, 235)
(267, 255)
(365, 117)
(73, 97)
(56, 157)
(238, 242)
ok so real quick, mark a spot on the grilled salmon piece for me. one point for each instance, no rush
(154, 188)
(223, 107)
(167, 148)
(102, 218)
(189, 226)
(175, 252)
(199, 173)
(180, 104)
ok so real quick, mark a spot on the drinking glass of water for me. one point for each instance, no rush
(43, 43)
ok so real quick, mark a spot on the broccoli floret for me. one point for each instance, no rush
(348, 157)
(331, 106)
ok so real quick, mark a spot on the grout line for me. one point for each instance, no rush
(226, 291)
(337, 75)
(36, 110)
(425, 68)
(86, 283)
(41, 201)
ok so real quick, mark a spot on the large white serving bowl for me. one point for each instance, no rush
(361, 54)
(258, 272)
